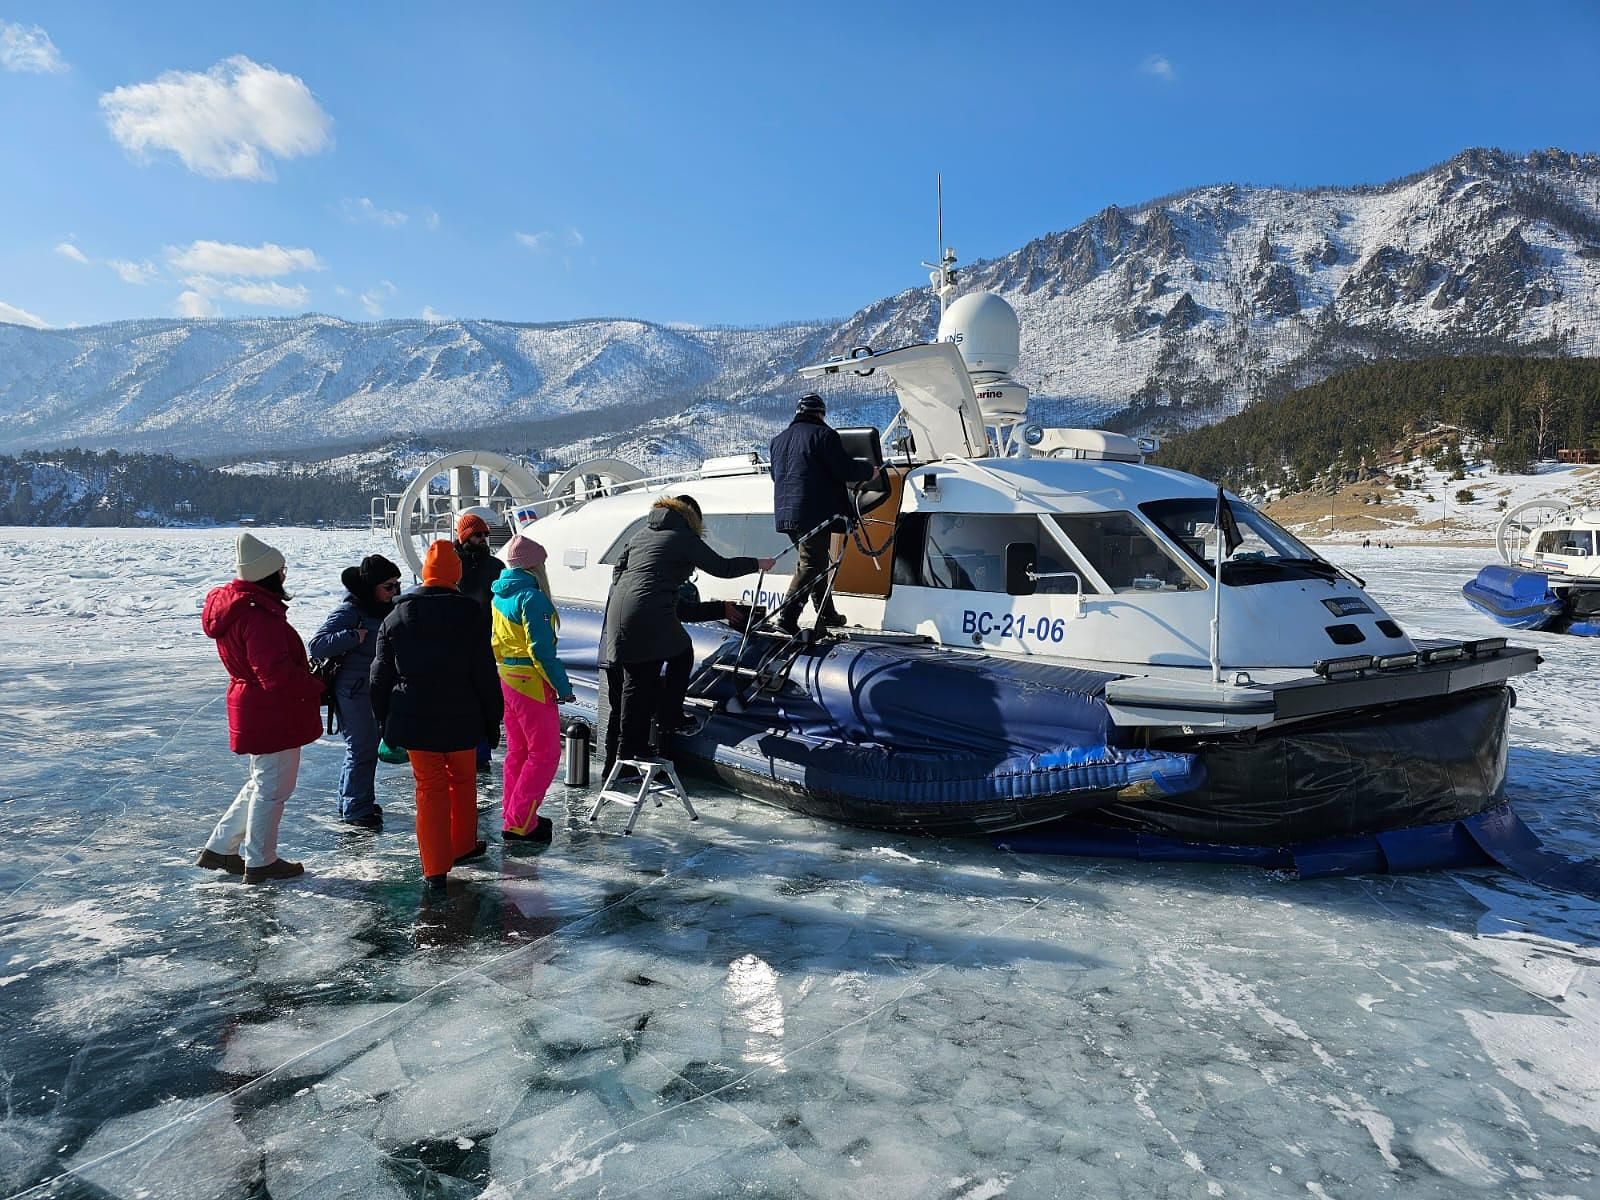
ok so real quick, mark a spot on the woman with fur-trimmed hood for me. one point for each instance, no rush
(644, 639)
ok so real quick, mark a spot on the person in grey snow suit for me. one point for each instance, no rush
(351, 633)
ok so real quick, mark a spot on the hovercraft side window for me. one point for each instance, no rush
(966, 552)
(741, 535)
(1121, 550)
(1566, 541)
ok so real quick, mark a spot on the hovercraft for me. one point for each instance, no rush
(1051, 641)
(1549, 576)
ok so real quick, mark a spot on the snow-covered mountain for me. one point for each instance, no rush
(1181, 310)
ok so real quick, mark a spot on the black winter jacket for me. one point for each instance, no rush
(809, 473)
(478, 573)
(641, 622)
(434, 684)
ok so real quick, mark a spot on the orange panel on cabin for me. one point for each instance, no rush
(858, 576)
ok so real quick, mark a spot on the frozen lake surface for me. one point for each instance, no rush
(753, 1005)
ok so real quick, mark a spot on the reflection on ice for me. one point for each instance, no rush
(752, 1005)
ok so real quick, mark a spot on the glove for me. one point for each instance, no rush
(491, 735)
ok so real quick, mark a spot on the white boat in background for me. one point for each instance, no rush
(1549, 574)
(1043, 625)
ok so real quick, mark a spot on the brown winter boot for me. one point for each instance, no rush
(280, 868)
(212, 861)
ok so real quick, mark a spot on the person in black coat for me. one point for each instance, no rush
(350, 634)
(479, 569)
(644, 648)
(809, 472)
(435, 691)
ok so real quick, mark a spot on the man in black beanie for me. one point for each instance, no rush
(809, 472)
(351, 634)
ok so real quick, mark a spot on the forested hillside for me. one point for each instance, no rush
(82, 487)
(1518, 409)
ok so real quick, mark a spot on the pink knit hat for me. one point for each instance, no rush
(524, 552)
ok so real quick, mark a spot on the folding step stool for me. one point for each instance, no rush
(658, 778)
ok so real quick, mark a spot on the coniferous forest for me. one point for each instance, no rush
(1519, 409)
(85, 487)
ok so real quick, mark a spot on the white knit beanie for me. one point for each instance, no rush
(256, 559)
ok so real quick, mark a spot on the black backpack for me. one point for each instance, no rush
(327, 670)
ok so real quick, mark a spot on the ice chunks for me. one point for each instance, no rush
(192, 1150)
(26, 1146)
(313, 1166)
(470, 1099)
(314, 1041)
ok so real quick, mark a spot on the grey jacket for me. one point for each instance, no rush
(641, 622)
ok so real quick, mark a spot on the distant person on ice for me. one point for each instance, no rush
(351, 633)
(274, 708)
(809, 472)
(532, 682)
(479, 569)
(434, 692)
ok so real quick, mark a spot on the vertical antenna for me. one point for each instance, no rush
(943, 273)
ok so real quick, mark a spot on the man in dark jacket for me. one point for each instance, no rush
(436, 692)
(350, 634)
(479, 570)
(645, 649)
(809, 472)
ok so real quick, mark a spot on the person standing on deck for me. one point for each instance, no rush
(809, 472)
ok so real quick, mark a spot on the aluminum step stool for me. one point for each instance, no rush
(658, 777)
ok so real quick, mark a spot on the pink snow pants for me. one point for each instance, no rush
(533, 748)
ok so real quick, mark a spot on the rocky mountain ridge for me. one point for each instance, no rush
(1173, 313)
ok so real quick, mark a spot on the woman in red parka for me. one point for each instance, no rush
(274, 708)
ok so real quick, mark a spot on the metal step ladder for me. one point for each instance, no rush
(657, 778)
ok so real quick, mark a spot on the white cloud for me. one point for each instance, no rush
(365, 210)
(429, 315)
(132, 272)
(226, 258)
(193, 304)
(548, 239)
(68, 250)
(270, 295)
(12, 315)
(28, 48)
(1160, 66)
(225, 123)
(431, 219)
(374, 298)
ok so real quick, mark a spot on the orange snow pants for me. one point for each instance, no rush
(447, 806)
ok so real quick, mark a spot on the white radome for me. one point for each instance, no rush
(986, 331)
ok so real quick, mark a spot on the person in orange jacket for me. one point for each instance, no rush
(274, 708)
(435, 691)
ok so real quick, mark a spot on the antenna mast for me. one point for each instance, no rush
(943, 273)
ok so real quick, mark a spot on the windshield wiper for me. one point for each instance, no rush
(1320, 566)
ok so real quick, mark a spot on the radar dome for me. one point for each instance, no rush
(986, 331)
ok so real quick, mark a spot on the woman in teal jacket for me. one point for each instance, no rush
(533, 682)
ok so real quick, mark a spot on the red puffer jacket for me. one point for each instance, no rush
(274, 701)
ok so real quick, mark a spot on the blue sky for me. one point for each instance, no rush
(702, 163)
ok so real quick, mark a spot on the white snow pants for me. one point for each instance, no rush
(252, 819)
